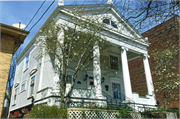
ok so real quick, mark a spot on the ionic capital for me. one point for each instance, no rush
(123, 48)
(145, 56)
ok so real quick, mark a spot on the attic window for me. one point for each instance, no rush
(110, 22)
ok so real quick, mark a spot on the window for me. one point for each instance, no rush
(15, 95)
(23, 86)
(27, 62)
(106, 21)
(114, 62)
(110, 22)
(31, 90)
(113, 24)
(116, 91)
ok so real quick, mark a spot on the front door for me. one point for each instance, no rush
(116, 88)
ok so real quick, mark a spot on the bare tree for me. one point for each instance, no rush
(147, 14)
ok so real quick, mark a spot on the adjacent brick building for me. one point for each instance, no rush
(160, 37)
(11, 39)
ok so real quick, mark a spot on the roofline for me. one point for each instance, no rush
(61, 7)
(13, 29)
(33, 39)
(129, 23)
(174, 17)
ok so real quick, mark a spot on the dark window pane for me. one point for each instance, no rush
(106, 21)
(91, 83)
(113, 24)
(114, 63)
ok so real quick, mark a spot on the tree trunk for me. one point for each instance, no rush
(165, 102)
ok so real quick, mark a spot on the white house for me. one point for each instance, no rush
(36, 78)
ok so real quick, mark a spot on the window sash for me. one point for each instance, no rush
(31, 92)
(27, 61)
(114, 62)
(23, 86)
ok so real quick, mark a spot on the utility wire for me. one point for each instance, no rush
(32, 18)
(42, 15)
(39, 18)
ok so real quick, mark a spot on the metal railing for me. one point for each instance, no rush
(123, 101)
(115, 103)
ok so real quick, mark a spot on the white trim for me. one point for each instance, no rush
(15, 102)
(24, 82)
(28, 95)
(41, 72)
(25, 59)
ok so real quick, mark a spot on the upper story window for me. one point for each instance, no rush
(27, 61)
(114, 62)
(110, 22)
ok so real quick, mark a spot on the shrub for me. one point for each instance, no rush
(42, 111)
(123, 113)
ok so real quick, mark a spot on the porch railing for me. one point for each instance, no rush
(123, 101)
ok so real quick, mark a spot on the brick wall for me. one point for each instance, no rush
(160, 37)
(7, 45)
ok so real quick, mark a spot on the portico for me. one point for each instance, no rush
(125, 57)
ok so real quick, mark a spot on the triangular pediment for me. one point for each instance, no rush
(106, 11)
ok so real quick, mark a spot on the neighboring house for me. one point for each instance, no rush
(11, 39)
(37, 79)
(161, 37)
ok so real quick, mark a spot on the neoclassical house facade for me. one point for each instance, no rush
(35, 82)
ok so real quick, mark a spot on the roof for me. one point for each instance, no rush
(18, 34)
(67, 8)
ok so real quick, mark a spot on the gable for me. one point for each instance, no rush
(106, 11)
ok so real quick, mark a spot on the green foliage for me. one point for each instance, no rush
(165, 70)
(123, 113)
(42, 111)
(148, 112)
(83, 114)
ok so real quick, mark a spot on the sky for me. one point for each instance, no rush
(12, 12)
(15, 11)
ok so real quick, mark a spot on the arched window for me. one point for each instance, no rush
(106, 21)
(110, 22)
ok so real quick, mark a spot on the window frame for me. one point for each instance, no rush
(15, 93)
(24, 82)
(110, 22)
(30, 84)
(26, 62)
(117, 63)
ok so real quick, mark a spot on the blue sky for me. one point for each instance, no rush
(15, 11)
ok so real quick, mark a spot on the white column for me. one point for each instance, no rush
(148, 75)
(125, 70)
(97, 70)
